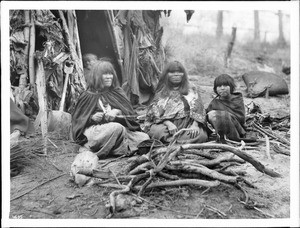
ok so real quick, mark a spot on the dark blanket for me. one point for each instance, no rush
(18, 121)
(230, 116)
(87, 105)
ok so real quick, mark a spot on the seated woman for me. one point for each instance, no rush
(175, 107)
(226, 112)
(103, 120)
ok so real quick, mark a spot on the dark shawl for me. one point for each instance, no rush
(231, 121)
(87, 105)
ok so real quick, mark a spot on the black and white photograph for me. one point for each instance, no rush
(157, 113)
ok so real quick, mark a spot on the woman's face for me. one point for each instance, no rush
(175, 77)
(107, 79)
(223, 91)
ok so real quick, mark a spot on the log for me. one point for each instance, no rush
(197, 168)
(202, 183)
(214, 162)
(259, 166)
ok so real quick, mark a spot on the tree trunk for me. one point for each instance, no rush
(230, 47)
(256, 26)
(219, 32)
(281, 40)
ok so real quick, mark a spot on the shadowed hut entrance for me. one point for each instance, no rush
(95, 32)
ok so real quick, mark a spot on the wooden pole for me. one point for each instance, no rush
(281, 40)
(71, 25)
(219, 32)
(72, 50)
(256, 27)
(26, 34)
(114, 41)
(77, 40)
(31, 50)
(42, 97)
(230, 47)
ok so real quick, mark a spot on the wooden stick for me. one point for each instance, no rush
(17, 197)
(52, 143)
(215, 210)
(272, 135)
(146, 184)
(214, 162)
(182, 182)
(143, 167)
(200, 169)
(26, 34)
(31, 67)
(138, 161)
(42, 96)
(268, 147)
(168, 176)
(168, 157)
(115, 177)
(257, 209)
(259, 166)
(200, 153)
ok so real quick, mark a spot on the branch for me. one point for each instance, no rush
(259, 166)
(203, 183)
(17, 197)
(197, 168)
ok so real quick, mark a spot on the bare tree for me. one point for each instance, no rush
(256, 26)
(219, 32)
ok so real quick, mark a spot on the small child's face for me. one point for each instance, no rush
(223, 91)
(88, 63)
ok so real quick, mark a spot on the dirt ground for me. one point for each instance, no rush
(61, 198)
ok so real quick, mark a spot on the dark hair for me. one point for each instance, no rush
(164, 86)
(95, 81)
(224, 79)
(89, 56)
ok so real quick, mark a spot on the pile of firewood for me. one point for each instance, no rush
(177, 165)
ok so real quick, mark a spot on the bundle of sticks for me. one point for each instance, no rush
(178, 165)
